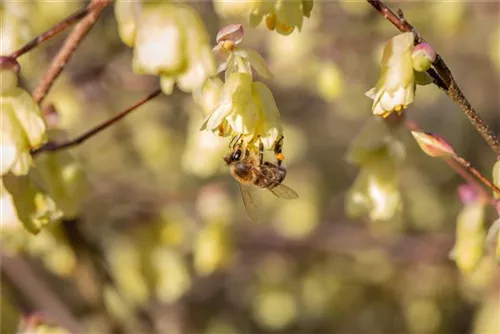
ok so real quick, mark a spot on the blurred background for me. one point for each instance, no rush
(164, 244)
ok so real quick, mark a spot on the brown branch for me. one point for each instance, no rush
(71, 43)
(443, 77)
(52, 146)
(60, 27)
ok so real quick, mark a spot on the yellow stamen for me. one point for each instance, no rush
(271, 21)
(228, 45)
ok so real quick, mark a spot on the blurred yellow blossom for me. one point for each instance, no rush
(170, 40)
(280, 15)
(62, 177)
(274, 308)
(127, 13)
(173, 278)
(212, 249)
(494, 48)
(470, 236)
(23, 202)
(376, 193)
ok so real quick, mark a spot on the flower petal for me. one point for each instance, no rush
(256, 60)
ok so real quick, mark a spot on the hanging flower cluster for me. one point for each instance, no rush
(22, 126)
(402, 68)
(470, 232)
(282, 16)
(376, 191)
(31, 197)
(169, 40)
(240, 106)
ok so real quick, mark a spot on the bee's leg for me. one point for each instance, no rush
(232, 142)
(235, 141)
(278, 147)
(261, 152)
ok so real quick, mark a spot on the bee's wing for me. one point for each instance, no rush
(284, 192)
(247, 193)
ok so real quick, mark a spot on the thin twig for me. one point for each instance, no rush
(467, 165)
(460, 169)
(51, 146)
(471, 181)
(71, 43)
(46, 35)
(443, 78)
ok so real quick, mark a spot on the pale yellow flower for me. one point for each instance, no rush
(23, 202)
(395, 89)
(22, 128)
(246, 108)
(374, 195)
(282, 16)
(127, 14)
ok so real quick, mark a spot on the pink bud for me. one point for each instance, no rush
(51, 116)
(9, 63)
(233, 33)
(422, 57)
(467, 194)
(433, 145)
(9, 72)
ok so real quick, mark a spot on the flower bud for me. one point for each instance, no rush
(171, 41)
(467, 194)
(232, 32)
(422, 57)
(9, 69)
(433, 145)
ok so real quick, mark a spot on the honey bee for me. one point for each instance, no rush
(252, 171)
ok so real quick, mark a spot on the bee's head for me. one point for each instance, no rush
(234, 156)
